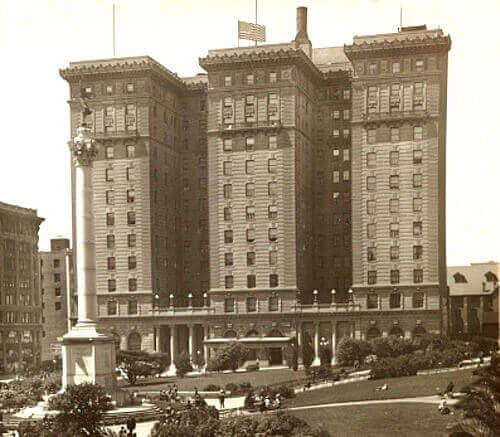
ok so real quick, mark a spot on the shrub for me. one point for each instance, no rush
(230, 357)
(483, 344)
(291, 355)
(211, 387)
(134, 369)
(381, 347)
(252, 367)
(350, 350)
(307, 350)
(320, 372)
(231, 387)
(183, 364)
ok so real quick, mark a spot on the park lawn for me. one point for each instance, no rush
(380, 420)
(258, 378)
(404, 387)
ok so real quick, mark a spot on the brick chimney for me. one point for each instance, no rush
(301, 39)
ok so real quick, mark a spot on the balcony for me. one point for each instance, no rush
(246, 126)
(395, 116)
(328, 308)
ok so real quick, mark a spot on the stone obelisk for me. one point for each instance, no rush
(88, 355)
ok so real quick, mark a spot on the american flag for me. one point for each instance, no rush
(251, 31)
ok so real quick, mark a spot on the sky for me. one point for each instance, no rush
(38, 37)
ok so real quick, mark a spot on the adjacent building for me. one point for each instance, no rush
(58, 295)
(473, 300)
(289, 192)
(20, 303)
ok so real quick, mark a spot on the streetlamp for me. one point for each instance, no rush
(324, 355)
(205, 299)
(333, 292)
(171, 300)
(156, 302)
(350, 295)
(190, 299)
(315, 296)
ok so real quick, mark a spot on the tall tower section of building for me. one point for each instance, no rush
(398, 170)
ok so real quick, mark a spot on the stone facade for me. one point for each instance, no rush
(249, 193)
(20, 302)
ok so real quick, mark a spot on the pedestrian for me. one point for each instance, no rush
(222, 395)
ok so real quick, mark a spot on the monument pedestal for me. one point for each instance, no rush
(88, 356)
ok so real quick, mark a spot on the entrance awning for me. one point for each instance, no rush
(270, 341)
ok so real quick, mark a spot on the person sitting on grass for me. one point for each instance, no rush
(443, 407)
(449, 389)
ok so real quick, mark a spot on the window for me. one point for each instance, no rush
(417, 156)
(273, 142)
(418, 96)
(228, 191)
(336, 177)
(132, 262)
(250, 235)
(250, 109)
(130, 196)
(372, 99)
(347, 94)
(109, 89)
(131, 217)
(418, 299)
(57, 291)
(228, 259)
(394, 206)
(132, 307)
(336, 115)
(130, 88)
(57, 263)
(394, 253)
(372, 277)
(417, 229)
(228, 80)
(417, 204)
(372, 68)
(394, 134)
(250, 213)
(272, 107)
(394, 276)
(419, 65)
(251, 302)
(273, 280)
(372, 254)
(347, 114)
(396, 67)
(272, 188)
(229, 301)
(417, 252)
(227, 214)
(111, 263)
(395, 300)
(336, 153)
(395, 100)
(251, 281)
(346, 132)
(110, 152)
(132, 284)
(250, 79)
(250, 144)
(250, 189)
(273, 77)
(394, 182)
(132, 240)
(345, 175)
(418, 133)
(336, 133)
(130, 151)
(273, 257)
(371, 183)
(345, 153)
(371, 230)
(272, 212)
(58, 306)
(372, 300)
(109, 174)
(371, 159)
(228, 236)
(273, 302)
(272, 165)
(372, 136)
(394, 157)
(370, 207)
(273, 234)
(110, 197)
(227, 144)
(250, 166)
(112, 307)
(250, 259)
(394, 230)
(110, 241)
(418, 276)
(227, 168)
(111, 285)
(417, 180)
(130, 173)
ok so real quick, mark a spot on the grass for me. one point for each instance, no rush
(408, 386)
(263, 377)
(409, 420)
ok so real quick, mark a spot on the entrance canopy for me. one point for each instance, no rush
(250, 341)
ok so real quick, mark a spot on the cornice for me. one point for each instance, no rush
(410, 46)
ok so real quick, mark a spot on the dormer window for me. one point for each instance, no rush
(459, 278)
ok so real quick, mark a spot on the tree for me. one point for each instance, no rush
(83, 407)
(183, 364)
(230, 357)
(307, 350)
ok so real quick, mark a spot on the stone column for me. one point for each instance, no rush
(334, 344)
(172, 370)
(4, 350)
(191, 350)
(205, 346)
(88, 355)
(316, 361)
(300, 361)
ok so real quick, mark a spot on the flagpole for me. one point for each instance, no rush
(256, 17)
(114, 38)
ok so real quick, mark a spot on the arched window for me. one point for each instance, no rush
(231, 333)
(275, 333)
(372, 333)
(396, 331)
(134, 342)
(419, 331)
(252, 333)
